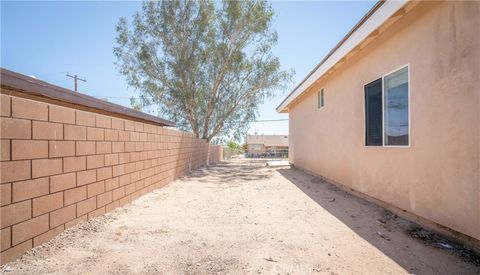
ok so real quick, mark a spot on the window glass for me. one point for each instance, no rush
(322, 98)
(396, 128)
(373, 113)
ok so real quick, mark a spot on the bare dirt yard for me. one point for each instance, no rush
(242, 217)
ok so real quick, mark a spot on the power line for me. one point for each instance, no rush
(269, 120)
(119, 97)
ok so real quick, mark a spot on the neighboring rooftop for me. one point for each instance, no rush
(30, 86)
(268, 140)
(365, 29)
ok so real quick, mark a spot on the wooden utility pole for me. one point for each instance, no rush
(76, 78)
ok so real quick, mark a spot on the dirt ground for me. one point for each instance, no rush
(243, 217)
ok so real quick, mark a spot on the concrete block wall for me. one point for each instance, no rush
(215, 154)
(62, 165)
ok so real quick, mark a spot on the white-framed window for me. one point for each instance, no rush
(387, 109)
(321, 98)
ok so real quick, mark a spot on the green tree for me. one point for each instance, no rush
(233, 145)
(135, 104)
(206, 65)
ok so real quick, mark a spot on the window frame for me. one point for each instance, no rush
(321, 98)
(382, 77)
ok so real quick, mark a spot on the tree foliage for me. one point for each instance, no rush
(206, 65)
(233, 145)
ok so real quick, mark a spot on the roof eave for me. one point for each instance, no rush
(377, 15)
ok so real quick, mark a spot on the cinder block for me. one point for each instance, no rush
(123, 136)
(111, 135)
(95, 161)
(75, 221)
(104, 199)
(47, 130)
(45, 237)
(111, 184)
(125, 200)
(14, 170)
(61, 114)
(142, 137)
(129, 125)
(138, 126)
(62, 148)
(111, 206)
(86, 206)
(86, 177)
(73, 132)
(129, 188)
(75, 195)
(103, 121)
(104, 173)
(96, 213)
(135, 195)
(85, 118)
(118, 193)
(5, 149)
(29, 229)
(5, 194)
(130, 167)
(125, 179)
(71, 164)
(95, 133)
(95, 188)
(29, 149)
(46, 167)
(85, 148)
(104, 147)
(14, 213)
(118, 170)
(118, 147)
(134, 136)
(30, 109)
(15, 128)
(23, 190)
(111, 159)
(129, 146)
(63, 215)
(62, 182)
(15, 252)
(6, 240)
(5, 105)
(47, 203)
(117, 123)
(123, 158)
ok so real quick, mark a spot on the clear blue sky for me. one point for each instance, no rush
(49, 39)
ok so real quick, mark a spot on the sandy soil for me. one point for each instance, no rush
(242, 217)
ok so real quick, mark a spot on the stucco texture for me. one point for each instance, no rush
(437, 177)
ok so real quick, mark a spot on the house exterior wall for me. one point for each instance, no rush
(61, 165)
(437, 177)
(255, 148)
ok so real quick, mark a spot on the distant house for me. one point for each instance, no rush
(392, 113)
(267, 144)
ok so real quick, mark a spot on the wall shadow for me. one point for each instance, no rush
(392, 235)
(231, 171)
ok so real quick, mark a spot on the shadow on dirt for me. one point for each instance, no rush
(224, 173)
(392, 235)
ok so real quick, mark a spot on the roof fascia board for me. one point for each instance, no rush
(381, 15)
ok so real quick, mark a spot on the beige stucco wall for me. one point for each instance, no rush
(438, 176)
